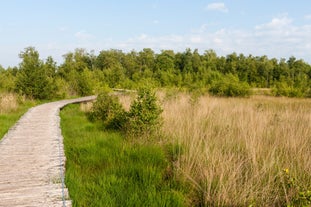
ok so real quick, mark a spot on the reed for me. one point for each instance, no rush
(241, 152)
(8, 102)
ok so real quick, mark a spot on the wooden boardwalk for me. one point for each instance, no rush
(32, 159)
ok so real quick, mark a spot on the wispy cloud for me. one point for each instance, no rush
(217, 6)
(307, 17)
(83, 35)
(280, 38)
(276, 23)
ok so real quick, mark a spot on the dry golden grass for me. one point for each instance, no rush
(126, 100)
(86, 106)
(235, 150)
(8, 102)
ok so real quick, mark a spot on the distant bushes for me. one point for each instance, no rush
(284, 89)
(141, 120)
(83, 73)
(230, 86)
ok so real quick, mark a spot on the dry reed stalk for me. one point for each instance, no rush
(126, 100)
(86, 106)
(8, 102)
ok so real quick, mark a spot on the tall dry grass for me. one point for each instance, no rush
(234, 151)
(8, 102)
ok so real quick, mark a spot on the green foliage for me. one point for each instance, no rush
(109, 111)
(114, 76)
(229, 86)
(32, 79)
(142, 119)
(104, 169)
(62, 88)
(294, 193)
(308, 92)
(86, 73)
(84, 83)
(144, 115)
(7, 80)
(77, 71)
(283, 89)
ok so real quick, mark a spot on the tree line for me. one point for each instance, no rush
(83, 73)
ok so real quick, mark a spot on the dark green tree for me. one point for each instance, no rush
(32, 77)
(165, 68)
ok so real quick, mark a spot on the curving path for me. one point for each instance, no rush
(32, 159)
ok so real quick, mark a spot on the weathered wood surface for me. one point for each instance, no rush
(32, 159)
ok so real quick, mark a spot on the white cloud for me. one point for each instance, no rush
(307, 17)
(276, 23)
(280, 38)
(217, 6)
(83, 35)
(217, 40)
(196, 39)
(201, 29)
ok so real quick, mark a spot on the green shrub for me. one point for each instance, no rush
(229, 86)
(283, 89)
(108, 109)
(144, 115)
(84, 83)
(142, 119)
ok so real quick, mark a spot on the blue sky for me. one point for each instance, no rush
(275, 28)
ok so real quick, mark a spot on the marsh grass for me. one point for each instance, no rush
(104, 169)
(211, 152)
(235, 149)
(8, 102)
(12, 107)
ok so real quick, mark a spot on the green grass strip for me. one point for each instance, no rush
(104, 169)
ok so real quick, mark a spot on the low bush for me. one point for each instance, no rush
(144, 115)
(230, 86)
(109, 111)
(142, 119)
(283, 89)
